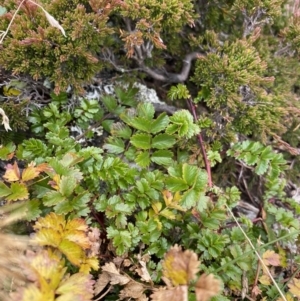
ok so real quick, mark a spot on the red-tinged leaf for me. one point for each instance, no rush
(78, 285)
(30, 173)
(54, 183)
(73, 252)
(271, 258)
(12, 173)
(18, 191)
(44, 167)
(48, 237)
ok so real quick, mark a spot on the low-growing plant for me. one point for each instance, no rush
(160, 196)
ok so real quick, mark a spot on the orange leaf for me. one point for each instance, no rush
(206, 287)
(43, 167)
(12, 173)
(180, 266)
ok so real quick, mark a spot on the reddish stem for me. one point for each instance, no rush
(200, 140)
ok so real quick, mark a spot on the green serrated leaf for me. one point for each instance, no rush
(202, 202)
(143, 159)
(53, 198)
(176, 184)
(121, 239)
(189, 173)
(67, 185)
(141, 123)
(34, 147)
(121, 130)
(162, 157)
(250, 158)
(201, 180)
(160, 123)
(4, 190)
(110, 103)
(163, 141)
(114, 145)
(189, 198)
(142, 141)
(261, 167)
(19, 191)
(146, 110)
(64, 207)
(33, 210)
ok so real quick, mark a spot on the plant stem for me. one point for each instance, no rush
(200, 140)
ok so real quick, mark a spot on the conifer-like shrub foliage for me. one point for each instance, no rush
(191, 198)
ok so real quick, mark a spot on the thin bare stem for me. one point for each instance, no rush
(200, 139)
(173, 77)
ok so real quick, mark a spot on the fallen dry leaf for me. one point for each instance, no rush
(102, 281)
(133, 290)
(178, 293)
(115, 276)
(206, 287)
(143, 272)
(142, 298)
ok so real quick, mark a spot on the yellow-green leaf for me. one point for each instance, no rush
(73, 252)
(19, 191)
